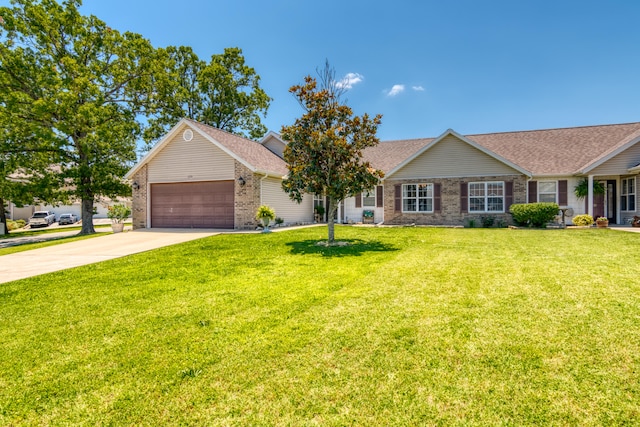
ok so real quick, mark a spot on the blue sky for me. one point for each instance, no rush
(426, 66)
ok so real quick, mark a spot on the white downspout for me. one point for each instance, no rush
(262, 179)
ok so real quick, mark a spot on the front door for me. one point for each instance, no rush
(611, 197)
(605, 204)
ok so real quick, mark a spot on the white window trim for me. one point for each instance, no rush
(372, 193)
(486, 196)
(626, 195)
(555, 193)
(417, 199)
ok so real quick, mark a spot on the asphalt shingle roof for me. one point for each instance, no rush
(558, 151)
(561, 151)
(388, 154)
(253, 153)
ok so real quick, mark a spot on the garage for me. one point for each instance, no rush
(205, 204)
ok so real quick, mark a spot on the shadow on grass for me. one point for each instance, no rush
(348, 247)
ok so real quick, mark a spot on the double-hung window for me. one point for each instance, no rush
(628, 196)
(417, 197)
(486, 197)
(548, 191)
(369, 199)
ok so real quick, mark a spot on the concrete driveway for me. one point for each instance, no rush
(67, 255)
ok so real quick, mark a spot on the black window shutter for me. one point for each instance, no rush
(464, 201)
(508, 195)
(379, 196)
(533, 192)
(436, 197)
(562, 193)
(359, 200)
(398, 198)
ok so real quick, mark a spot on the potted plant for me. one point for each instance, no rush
(265, 214)
(602, 222)
(117, 214)
(582, 189)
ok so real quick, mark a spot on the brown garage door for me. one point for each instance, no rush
(207, 204)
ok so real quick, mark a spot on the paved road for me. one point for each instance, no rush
(73, 254)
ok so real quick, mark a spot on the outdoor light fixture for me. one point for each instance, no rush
(135, 185)
(241, 181)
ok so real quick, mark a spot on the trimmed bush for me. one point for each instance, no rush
(14, 225)
(534, 214)
(582, 220)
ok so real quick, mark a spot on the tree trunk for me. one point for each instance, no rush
(331, 212)
(87, 217)
(3, 218)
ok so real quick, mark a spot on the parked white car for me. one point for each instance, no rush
(67, 218)
(42, 219)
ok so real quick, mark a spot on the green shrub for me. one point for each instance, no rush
(583, 220)
(14, 225)
(487, 221)
(534, 214)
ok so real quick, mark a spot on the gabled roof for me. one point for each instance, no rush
(565, 151)
(387, 155)
(251, 154)
(392, 156)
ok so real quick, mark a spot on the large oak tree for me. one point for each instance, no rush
(76, 87)
(324, 146)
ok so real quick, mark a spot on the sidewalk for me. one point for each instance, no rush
(82, 252)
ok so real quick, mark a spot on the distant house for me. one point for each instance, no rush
(199, 176)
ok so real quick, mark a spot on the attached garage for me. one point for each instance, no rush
(201, 177)
(205, 204)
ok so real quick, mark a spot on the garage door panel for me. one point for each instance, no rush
(207, 204)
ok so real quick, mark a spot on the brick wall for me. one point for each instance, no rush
(139, 200)
(247, 197)
(450, 202)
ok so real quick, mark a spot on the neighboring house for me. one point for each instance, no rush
(201, 177)
(448, 180)
(453, 179)
(101, 209)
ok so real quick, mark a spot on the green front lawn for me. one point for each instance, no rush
(407, 326)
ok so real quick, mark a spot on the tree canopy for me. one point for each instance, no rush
(324, 146)
(76, 86)
(224, 93)
(77, 93)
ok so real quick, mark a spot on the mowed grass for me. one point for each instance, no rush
(406, 326)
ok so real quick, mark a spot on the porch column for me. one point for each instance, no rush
(590, 196)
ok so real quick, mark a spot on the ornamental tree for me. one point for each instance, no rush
(324, 146)
(76, 87)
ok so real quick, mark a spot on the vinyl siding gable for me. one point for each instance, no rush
(452, 157)
(620, 164)
(274, 145)
(195, 160)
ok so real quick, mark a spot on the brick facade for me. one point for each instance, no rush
(247, 197)
(450, 212)
(139, 199)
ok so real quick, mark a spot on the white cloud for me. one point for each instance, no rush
(417, 88)
(349, 80)
(395, 90)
